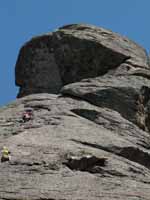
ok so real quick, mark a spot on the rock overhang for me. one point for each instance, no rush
(46, 63)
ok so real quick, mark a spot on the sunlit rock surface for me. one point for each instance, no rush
(89, 89)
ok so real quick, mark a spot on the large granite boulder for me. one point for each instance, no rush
(90, 134)
(72, 53)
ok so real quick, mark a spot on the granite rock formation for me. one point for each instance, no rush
(72, 53)
(90, 135)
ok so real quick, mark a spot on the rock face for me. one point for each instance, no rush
(89, 89)
(73, 53)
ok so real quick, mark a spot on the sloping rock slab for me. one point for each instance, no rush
(129, 95)
(40, 150)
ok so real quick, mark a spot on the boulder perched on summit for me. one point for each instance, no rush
(88, 90)
(72, 53)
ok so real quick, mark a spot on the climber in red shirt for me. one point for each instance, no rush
(27, 115)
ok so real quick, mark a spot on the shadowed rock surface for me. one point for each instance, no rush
(90, 136)
(72, 53)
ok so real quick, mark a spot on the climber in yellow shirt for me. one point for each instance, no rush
(5, 154)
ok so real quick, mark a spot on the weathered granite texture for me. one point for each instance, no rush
(90, 136)
(72, 53)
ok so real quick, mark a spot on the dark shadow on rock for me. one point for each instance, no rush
(85, 163)
(131, 153)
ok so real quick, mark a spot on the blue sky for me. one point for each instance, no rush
(22, 19)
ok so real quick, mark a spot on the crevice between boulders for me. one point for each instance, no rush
(143, 109)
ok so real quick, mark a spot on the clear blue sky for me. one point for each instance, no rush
(22, 19)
